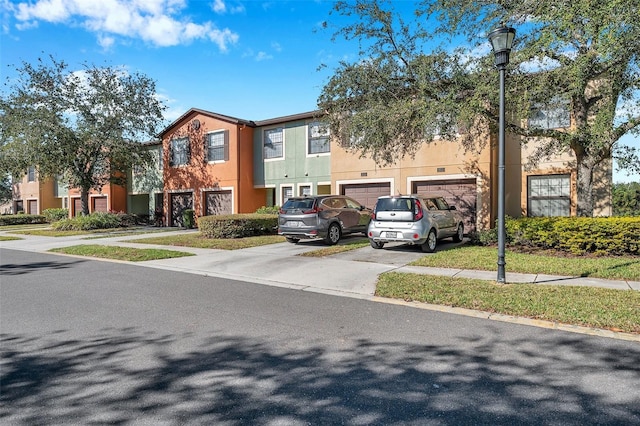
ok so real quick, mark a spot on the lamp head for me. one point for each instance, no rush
(501, 42)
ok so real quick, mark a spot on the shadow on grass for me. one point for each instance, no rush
(127, 375)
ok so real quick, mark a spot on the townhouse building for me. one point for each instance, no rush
(218, 164)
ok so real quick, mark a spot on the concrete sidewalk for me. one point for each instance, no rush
(353, 273)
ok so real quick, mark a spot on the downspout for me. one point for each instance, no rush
(238, 130)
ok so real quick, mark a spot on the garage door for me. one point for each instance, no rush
(461, 193)
(180, 203)
(218, 202)
(77, 206)
(367, 193)
(99, 204)
(33, 206)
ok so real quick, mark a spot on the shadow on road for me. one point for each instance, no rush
(28, 267)
(235, 380)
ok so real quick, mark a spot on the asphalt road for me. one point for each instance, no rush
(95, 342)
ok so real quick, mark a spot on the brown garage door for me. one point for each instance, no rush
(99, 204)
(366, 193)
(33, 206)
(77, 206)
(461, 193)
(218, 202)
(180, 203)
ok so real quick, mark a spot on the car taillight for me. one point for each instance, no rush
(281, 211)
(417, 211)
(312, 211)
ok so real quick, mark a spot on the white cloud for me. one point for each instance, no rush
(219, 6)
(262, 56)
(157, 22)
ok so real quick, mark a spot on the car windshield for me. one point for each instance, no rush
(395, 204)
(301, 204)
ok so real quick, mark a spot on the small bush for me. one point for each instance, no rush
(54, 215)
(268, 210)
(188, 218)
(21, 219)
(238, 225)
(98, 220)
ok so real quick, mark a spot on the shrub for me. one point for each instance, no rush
(237, 225)
(268, 210)
(98, 220)
(188, 219)
(21, 219)
(576, 235)
(54, 215)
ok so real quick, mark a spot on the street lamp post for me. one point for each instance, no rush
(501, 41)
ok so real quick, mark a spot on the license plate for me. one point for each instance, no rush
(391, 234)
(293, 224)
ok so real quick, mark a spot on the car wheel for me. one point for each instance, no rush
(292, 240)
(376, 245)
(429, 246)
(333, 234)
(459, 234)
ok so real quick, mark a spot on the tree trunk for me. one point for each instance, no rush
(584, 186)
(84, 200)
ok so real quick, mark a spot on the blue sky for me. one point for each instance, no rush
(251, 59)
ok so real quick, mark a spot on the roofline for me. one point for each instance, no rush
(289, 118)
(227, 118)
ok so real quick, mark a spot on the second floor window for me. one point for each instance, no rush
(31, 174)
(179, 151)
(274, 143)
(318, 138)
(216, 146)
(554, 115)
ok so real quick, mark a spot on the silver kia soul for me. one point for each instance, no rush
(414, 219)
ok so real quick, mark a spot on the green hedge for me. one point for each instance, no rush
(237, 225)
(96, 220)
(21, 219)
(576, 235)
(54, 215)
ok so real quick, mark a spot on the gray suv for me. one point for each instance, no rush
(322, 216)
(414, 219)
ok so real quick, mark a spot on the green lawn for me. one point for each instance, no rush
(120, 253)
(196, 240)
(617, 310)
(485, 258)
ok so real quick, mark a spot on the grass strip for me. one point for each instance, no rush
(9, 238)
(617, 310)
(198, 241)
(120, 253)
(485, 258)
(328, 251)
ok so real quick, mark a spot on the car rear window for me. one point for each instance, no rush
(395, 204)
(302, 204)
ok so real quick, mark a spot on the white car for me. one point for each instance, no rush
(414, 219)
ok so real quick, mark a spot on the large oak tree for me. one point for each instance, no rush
(83, 127)
(428, 75)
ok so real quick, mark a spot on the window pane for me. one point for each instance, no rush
(318, 138)
(179, 151)
(273, 143)
(215, 146)
(549, 195)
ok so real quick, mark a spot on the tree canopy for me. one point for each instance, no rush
(434, 74)
(81, 127)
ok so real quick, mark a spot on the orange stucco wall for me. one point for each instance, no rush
(199, 175)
